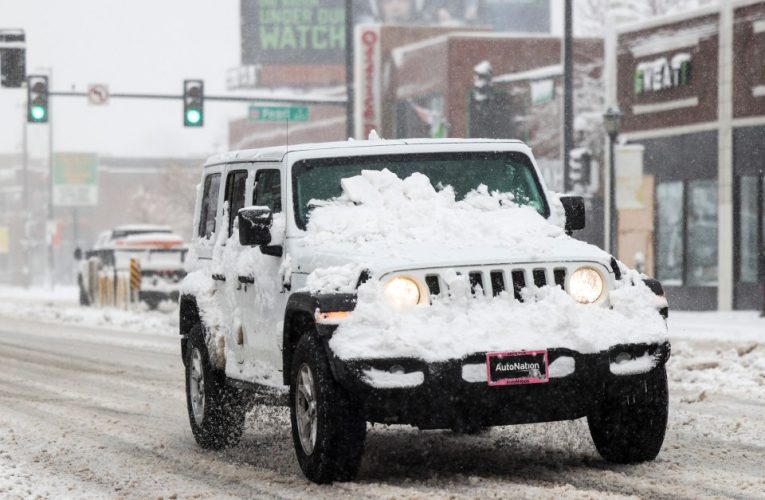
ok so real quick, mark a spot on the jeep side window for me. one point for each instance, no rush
(209, 206)
(268, 190)
(235, 195)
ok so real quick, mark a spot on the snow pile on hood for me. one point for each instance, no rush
(378, 206)
(460, 325)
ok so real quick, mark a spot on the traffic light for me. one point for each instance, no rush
(193, 103)
(578, 172)
(12, 58)
(37, 99)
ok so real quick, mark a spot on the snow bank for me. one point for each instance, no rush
(60, 306)
(454, 327)
(377, 206)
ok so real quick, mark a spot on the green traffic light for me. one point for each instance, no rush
(38, 113)
(193, 116)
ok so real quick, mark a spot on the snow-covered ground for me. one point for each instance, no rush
(60, 305)
(92, 406)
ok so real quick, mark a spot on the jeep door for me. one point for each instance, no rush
(262, 296)
(229, 252)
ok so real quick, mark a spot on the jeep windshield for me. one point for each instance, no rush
(506, 172)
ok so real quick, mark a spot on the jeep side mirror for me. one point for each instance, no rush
(574, 209)
(77, 253)
(255, 226)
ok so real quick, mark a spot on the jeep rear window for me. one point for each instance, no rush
(507, 172)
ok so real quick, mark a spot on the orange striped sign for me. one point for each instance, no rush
(135, 274)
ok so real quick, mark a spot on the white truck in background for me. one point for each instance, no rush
(160, 253)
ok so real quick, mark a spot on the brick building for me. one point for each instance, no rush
(692, 90)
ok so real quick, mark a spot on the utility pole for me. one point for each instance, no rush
(25, 197)
(349, 125)
(568, 92)
(51, 220)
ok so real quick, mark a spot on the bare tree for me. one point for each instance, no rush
(170, 201)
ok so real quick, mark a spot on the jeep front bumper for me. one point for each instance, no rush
(454, 394)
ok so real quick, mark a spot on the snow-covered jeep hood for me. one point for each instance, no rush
(385, 224)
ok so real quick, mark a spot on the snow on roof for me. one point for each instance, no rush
(143, 227)
(149, 241)
(165, 237)
(672, 17)
(532, 74)
(276, 153)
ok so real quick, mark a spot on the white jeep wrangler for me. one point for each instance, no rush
(424, 282)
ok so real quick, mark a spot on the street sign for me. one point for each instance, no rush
(278, 113)
(75, 179)
(98, 94)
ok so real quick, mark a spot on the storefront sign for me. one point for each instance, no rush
(542, 91)
(663, 73)
(75, 179)
(629, 176)
(368, 78)
(4, 239)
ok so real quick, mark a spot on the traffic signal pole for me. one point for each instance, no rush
(328, 101)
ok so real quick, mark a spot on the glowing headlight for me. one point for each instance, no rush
(585, 285)
(402, 291)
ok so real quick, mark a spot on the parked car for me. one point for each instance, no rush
(160, 253)
(425, 282)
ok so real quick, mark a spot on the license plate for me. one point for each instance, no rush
(516, 368)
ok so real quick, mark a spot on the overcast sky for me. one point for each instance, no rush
(136, 46)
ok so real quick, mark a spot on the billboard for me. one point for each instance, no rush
(293, 31)
(279, 32)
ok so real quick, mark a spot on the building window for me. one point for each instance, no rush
(669, 200)
(747, 229)
(686, 232)
(702, 233)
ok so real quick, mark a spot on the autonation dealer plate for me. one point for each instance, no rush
(514, 368)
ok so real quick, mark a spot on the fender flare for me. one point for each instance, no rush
(299, 318)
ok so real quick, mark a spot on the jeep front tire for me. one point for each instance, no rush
(328, 430)
(216, 411)
(628, 425)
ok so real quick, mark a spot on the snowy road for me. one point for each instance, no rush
(92, 412)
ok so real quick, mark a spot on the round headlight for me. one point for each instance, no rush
(585, 285)
(402, 291)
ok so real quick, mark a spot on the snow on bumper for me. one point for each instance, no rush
(455, 392)
(454, 329)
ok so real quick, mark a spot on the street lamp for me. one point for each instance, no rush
(612, 122)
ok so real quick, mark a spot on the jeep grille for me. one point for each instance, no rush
(494, 280)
